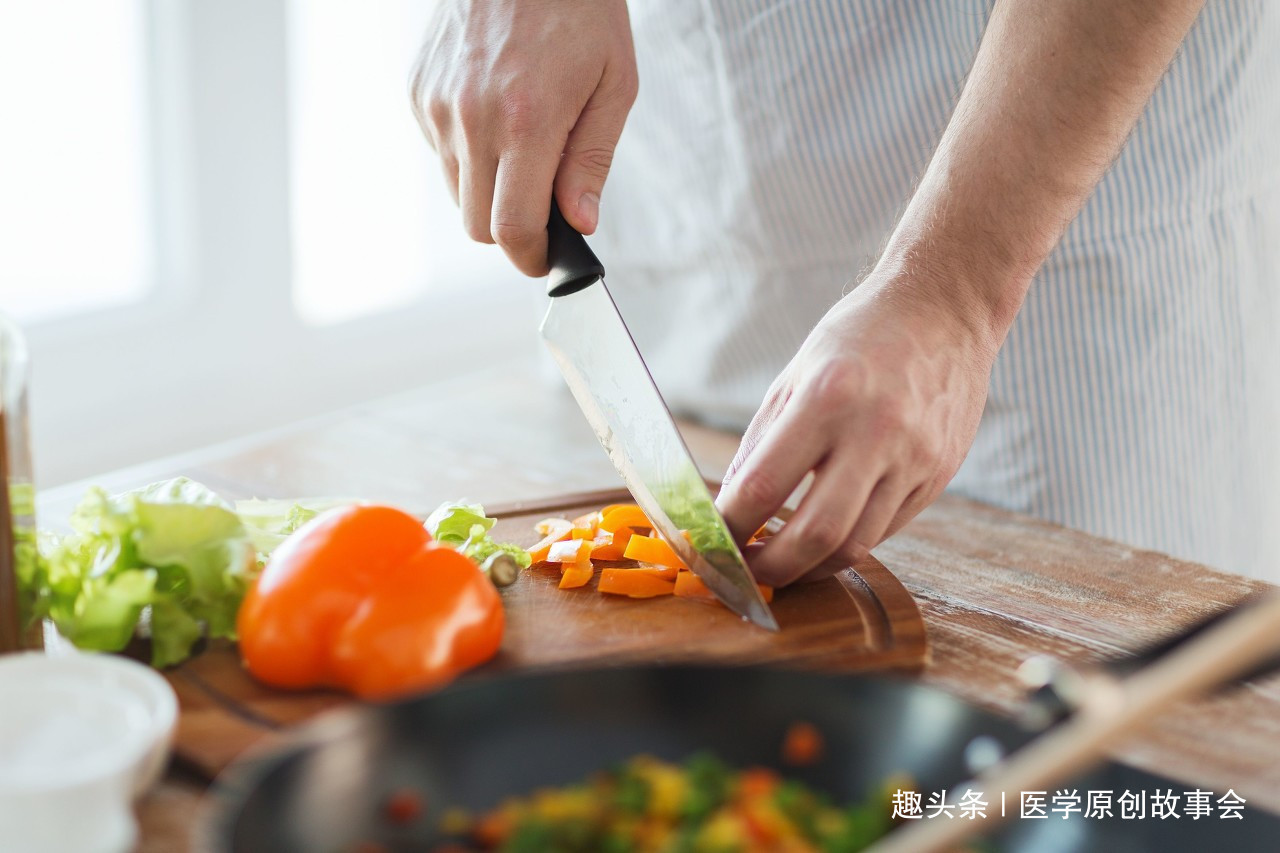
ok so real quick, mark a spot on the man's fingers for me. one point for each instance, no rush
(790, 449)
(522, 202)
(588, 153)
(768, 412)
(475, 189)
(883, 505)
(911, 507)
(450, 165)
(821, 525)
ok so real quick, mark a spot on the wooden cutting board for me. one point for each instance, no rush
(858, 620)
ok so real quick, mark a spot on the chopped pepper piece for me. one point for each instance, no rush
(634, 583)
(689, 585)
(611, 546)
(574, 575)
(553, 530)
(651, 549)
(613, 518)
(570, 551)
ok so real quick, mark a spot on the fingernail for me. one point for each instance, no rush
(589, 209)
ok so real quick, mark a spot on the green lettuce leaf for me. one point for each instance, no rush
(466, 527)
(270, 522)
(452, 522)
(173, 632)
(486, 548)
(172, 550)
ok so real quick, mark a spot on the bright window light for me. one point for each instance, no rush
(75, 232)
(374, 227)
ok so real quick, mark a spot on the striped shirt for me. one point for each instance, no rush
(773, 146)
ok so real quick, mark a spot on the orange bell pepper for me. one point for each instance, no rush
(570, 551)
(651, 549)
(666, 573)
(763, 533)
(613, 518)
(574, 575)
(361, 598)
(545, 526)
(584, 526)
(634, 583)
(553, 530)
(689, 585)
(611, 546)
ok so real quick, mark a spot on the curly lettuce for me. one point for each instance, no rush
(171, 557)
(465, 527)
(270, 522)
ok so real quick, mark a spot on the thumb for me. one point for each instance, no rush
(588, 154)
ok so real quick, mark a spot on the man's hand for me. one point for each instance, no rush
(502, 89)
(882, 403)
(883, 400)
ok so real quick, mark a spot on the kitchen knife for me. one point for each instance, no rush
(612, 385)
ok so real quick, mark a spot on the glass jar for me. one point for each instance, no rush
(17, 494)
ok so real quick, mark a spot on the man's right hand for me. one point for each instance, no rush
(502, 89)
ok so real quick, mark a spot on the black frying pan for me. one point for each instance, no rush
(475, 743)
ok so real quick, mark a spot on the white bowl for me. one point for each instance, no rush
(81, 735)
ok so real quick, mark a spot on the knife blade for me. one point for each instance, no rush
(612, 385)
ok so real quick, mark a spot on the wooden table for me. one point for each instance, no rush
(994, 587)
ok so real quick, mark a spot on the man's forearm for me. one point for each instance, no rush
(1054, 91)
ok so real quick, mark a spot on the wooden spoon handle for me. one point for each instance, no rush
(1220, 654)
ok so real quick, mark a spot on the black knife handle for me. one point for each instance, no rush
(573, 264)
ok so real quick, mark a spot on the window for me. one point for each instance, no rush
(244, 183)
(75, 229)
(373, 224)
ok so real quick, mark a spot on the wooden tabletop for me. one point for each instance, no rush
(994, 587)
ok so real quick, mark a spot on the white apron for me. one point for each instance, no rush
(770, 151)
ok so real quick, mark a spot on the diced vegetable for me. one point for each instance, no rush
(613, 518)
(802, 744)
(574, 575)
(616, 538)
(584, 526)
(570, 551)
(634, 583)
(502, 568)
(651, 549)
(666, 573)
(611, 546)
(545, 526)
(698, 806)
(689, 585)
(553, 530)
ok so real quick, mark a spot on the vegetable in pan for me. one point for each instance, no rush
(699, 806)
